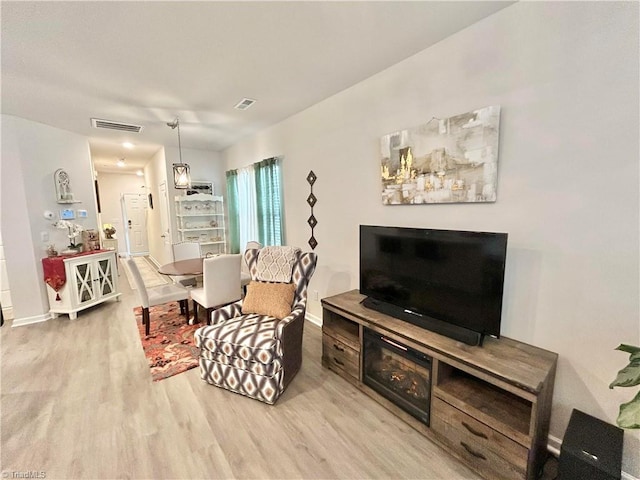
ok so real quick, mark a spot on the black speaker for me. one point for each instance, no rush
(591, 449)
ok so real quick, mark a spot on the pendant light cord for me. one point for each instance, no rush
(179, 142)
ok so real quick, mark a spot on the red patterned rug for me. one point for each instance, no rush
(169, 348)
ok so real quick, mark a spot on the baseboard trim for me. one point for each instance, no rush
(313, 319)
(553, 445)
(21, 322)
(154, 261)
(7, 313)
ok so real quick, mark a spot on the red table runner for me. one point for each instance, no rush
(54, 275)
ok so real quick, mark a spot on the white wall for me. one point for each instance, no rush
(111, 187)
(566, 77)
(31, 153)
(155, 173)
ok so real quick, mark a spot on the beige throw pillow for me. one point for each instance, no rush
(272, 299)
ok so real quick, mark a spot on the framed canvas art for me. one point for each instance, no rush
(449, 160)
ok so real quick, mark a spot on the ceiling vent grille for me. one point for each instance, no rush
(123, 127)
(244, 103)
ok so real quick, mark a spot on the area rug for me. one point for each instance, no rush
(169, 347)
(149, 273)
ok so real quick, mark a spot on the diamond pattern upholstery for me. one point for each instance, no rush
(256, 355)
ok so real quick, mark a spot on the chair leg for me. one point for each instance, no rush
(181, 303)
(186, 310)
(209, 310)
(195, 312)
(145, 320)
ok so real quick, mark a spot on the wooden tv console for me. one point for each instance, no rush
(490, 405)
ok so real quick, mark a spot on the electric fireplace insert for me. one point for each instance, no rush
(399, 373)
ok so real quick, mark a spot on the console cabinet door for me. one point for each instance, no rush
(105, 277)
(82, 273)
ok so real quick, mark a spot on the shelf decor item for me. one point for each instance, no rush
(63, 186)
(109, 230)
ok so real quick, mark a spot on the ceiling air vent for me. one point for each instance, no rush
(123, 127)
(244, 103)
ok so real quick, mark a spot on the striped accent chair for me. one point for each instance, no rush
(251, 354)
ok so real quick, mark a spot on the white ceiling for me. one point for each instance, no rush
(145, 63)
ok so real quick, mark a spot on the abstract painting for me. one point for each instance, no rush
(448, 160)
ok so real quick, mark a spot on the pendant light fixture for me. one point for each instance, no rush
(181, 171)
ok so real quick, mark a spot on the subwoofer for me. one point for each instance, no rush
(591, 449)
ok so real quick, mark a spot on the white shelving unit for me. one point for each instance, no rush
(200, 218)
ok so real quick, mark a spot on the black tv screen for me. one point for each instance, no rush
(456, 277)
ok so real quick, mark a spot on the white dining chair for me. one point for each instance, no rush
(185, 251)
(152, 296)
(220, 284)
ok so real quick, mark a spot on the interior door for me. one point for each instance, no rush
(165, 224)
(135, 219)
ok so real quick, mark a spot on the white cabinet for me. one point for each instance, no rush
(200, 218)
(90, 279)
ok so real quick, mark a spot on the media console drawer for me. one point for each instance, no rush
(338, 354)
(473, 432)
(476, 454)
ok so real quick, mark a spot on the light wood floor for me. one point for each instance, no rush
(78, 402)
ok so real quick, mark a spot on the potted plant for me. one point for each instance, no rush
(109, 230)
(629, 376)
(73, 230)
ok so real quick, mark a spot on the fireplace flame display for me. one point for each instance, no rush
(399, 373)
(400, 379)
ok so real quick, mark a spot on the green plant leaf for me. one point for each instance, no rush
(629, 376)
(623, 347)
(629, 416)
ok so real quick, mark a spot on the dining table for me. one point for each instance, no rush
(190, 266)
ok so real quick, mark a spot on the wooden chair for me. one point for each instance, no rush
(220, 284)
(152, 296)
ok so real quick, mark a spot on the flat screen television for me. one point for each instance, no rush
(446, 281)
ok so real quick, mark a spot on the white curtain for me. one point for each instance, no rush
(247, 206)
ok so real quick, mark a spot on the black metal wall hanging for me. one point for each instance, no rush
(311, 200)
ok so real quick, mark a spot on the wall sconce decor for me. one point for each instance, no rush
(181, 171)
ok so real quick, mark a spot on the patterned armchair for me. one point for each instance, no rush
(252, 354)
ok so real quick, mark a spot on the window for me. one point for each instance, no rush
(255, 204)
